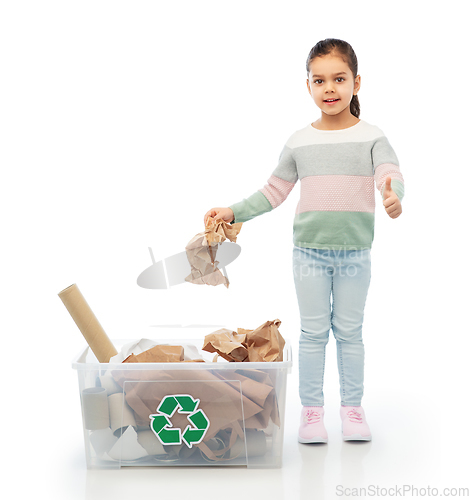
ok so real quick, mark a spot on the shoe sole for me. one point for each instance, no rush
(317, 439)
(357, 437)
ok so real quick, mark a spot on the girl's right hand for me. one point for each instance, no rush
(226, 214)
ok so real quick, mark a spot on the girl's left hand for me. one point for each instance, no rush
(391, 201)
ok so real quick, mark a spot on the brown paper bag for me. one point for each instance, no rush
(227, 344)
(223, 403)
(220, 401)
(158, 354)
(202, 249)
(229, 398)
(263, 344)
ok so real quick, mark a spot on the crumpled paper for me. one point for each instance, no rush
(227, 344)
(202, 249)
(231, 399)
(154, 352)
(234, 400)
(263, 344)
(158, 354)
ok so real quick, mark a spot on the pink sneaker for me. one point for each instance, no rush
(312, 429)
(355, 427)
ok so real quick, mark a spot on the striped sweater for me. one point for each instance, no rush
(337, 170)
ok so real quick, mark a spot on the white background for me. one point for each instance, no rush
(122, 123)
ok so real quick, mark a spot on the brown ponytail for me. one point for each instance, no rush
(354, 106)
(329, 45)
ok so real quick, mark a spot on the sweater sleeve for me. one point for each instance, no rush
(385, 163)
(278, 187)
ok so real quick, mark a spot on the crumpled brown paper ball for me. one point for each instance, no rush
(202, 249)
(263, 344)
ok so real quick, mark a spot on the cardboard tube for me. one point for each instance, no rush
(87, 323)
(120, 413)
(255, 444)
(107, 381)
(95, 408)
(150, 442)
(102, 441)
(127, 447)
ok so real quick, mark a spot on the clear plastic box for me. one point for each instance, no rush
(182, 414)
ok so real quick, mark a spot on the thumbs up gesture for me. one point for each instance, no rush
(391, 201)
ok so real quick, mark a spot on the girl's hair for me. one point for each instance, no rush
(333, 45)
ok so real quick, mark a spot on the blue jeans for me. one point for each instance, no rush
(345, 276)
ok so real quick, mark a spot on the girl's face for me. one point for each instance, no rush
(332, 85)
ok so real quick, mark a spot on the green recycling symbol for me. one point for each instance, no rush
(163, 428)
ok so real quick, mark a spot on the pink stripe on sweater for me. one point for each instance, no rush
(386, 170)
(277, 190)
(340, 193)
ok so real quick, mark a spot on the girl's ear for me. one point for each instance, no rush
(357, 84)
(308, 87)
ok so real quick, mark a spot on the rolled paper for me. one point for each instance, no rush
(150, 442)
(255, 444)
(102, 440)
(95, 408)
(215, 443)
(108, 382)
(87, 323)
(120, 413)
(181, 451)
(127, 447)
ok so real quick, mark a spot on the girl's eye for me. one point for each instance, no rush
(319, 81)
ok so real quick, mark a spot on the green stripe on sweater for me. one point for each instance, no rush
(251, 207)
(334, 230)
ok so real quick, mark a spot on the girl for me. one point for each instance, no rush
(337, 159)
